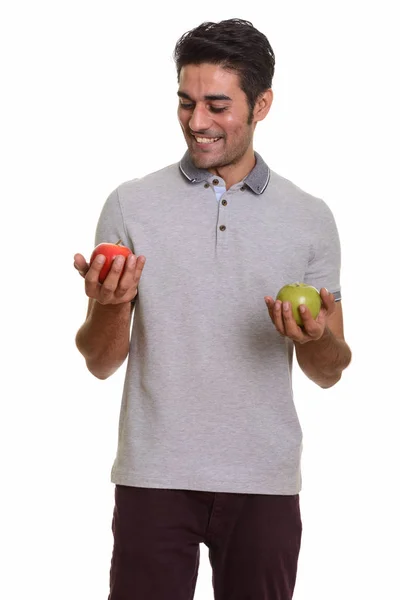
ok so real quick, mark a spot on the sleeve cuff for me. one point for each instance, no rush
(337, 296)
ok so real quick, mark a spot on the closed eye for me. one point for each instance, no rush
(213, 109)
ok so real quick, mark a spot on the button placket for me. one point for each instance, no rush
(223, 221)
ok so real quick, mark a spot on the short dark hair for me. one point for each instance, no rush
(235, 45)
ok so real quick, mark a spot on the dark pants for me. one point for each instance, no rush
(253, 541)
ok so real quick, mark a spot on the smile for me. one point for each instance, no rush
(205, 140)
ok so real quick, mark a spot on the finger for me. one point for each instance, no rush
(140, 262)
(278, 317)
(130, 278)
(292, 329)
(139, 267)
(92, 284)
(310, 326)
(111, 282)
(328, 300)
(128, 281)
(270, 302)
(80, 264)
(270, 305)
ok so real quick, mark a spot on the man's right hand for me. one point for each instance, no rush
(121, 283)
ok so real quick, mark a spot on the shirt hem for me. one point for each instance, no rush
(137, 480)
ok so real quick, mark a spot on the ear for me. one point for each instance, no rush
(262, 106)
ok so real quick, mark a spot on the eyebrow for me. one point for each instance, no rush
(208, 97)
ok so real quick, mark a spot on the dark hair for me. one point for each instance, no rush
(235, 45)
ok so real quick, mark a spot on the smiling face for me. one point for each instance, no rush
(214, 116)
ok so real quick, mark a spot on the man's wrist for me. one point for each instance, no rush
(111, 307)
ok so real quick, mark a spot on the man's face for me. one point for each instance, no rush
(213, 113)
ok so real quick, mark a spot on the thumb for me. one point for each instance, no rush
(80, 264)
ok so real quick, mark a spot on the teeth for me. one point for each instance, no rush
(206, 140)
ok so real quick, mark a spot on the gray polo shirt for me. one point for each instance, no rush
(207, 402)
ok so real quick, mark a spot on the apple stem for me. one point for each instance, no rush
(118, 243)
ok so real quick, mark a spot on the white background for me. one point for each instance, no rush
(89, 101)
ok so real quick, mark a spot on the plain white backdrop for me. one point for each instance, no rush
(89, 101)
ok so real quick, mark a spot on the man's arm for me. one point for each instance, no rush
(321, 350)
(324, 360)
(103, 339)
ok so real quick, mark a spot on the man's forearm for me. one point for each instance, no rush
(324, 360)
(104, 337)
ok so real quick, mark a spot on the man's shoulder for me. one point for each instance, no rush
(283, 185)
(163, 177)
(289, 192)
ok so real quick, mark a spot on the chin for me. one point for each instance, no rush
(200, 163)
(204, 162)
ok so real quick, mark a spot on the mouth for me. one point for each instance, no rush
(203, 142)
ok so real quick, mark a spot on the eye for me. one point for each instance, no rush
(217, 110)
(190, 106)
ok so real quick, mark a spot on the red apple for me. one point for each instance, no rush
(301, 293)
(110, 251)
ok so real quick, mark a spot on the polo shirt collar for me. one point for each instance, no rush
(257, 180)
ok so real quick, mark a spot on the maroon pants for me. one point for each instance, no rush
(253, 541)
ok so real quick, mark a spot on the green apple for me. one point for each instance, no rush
(301, 293)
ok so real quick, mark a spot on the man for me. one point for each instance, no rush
(209, 440)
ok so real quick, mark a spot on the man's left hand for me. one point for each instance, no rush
(282, 317)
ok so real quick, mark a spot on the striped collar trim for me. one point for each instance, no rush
(257, 180)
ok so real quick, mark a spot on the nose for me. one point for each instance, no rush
(200, 119)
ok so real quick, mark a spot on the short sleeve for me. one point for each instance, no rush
(111, 226)
(324, 264)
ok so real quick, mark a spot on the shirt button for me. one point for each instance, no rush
(222, 227)
(215, 181)
(206, 185)
(224, 203)
(242, 188)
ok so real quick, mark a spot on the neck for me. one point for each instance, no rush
(236, 172)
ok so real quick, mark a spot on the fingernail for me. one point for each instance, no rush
(302, 309)
(286, 306)
(101, 259)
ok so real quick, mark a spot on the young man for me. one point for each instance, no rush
(209, 440)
